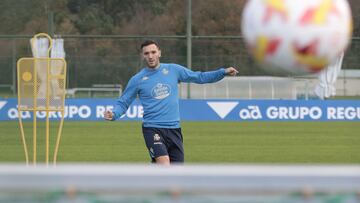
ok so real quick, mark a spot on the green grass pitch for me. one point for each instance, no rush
(205, 142)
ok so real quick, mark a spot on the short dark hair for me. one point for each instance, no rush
(149, 42)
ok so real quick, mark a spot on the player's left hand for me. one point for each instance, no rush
(231, 71)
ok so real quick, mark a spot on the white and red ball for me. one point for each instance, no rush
(298, 36)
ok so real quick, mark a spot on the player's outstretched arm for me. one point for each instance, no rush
(231, 71)
(123, 102)
(186, 75)
(109, 115)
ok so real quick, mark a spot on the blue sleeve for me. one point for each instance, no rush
(124, 101)
(186, 75)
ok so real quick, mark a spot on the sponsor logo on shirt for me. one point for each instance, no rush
(161, 91)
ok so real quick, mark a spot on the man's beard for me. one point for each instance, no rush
(153, 66)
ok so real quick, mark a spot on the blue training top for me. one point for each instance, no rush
(158, 93)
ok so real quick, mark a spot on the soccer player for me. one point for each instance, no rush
(156, 85)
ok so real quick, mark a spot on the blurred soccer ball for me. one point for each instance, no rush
(299, 36)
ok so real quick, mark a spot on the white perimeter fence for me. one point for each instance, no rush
(265, 87)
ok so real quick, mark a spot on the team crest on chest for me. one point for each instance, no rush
(165, 71)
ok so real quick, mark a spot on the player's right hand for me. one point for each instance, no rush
(231, 71)
(108, 115)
